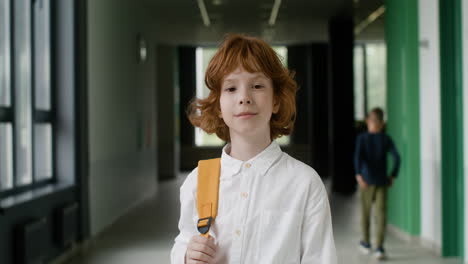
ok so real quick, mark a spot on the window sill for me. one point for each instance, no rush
(16, 200)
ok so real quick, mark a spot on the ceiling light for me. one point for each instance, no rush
(217, 2)
(203, 12)
(371, 18)
(274, 12)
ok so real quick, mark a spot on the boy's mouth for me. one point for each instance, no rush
(245, 114)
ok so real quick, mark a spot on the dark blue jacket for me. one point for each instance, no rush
(370, 158)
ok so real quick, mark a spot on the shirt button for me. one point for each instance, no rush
(247, 165)
(238, 232)
(244, 194)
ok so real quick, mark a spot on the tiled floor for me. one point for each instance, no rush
(145, 236)
(346, 228)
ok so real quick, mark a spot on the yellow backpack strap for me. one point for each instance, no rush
(207, 193)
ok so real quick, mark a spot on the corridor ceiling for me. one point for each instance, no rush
(180, 21)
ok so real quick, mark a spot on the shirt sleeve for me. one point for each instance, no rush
(187, 227)
(358, 156)
(317, 243)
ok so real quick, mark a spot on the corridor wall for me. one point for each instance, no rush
(122, 116)
(401, 33)
(429, 83)
(464, 4)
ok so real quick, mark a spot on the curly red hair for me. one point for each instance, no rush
(253, 55)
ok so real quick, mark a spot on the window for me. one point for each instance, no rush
(6, 156)
(5, 82)
(370, 78)
(22, 92)
(376, 75)
(359, 90)
(282, 51)
(203, 56)
(6, 119)
(26, 119)
(42, 91)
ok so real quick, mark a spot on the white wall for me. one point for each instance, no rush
(465, 113)
(121, 108)
(429, 84)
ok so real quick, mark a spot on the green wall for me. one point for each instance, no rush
(452, 127)
(401, 31)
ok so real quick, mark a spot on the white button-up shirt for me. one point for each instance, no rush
(271, 209)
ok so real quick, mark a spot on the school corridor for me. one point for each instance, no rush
(95, 140)
(143, 237)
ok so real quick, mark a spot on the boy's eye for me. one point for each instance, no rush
(258, 86)
(230, 89)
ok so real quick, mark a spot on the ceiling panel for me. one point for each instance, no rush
(251, 16)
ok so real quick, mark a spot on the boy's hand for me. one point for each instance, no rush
(200, 250)
(390, 183)
(361, 181)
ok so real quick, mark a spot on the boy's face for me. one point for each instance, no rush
(374, 124)
(247, 103)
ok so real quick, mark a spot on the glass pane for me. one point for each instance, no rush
(203, 139)
(359, 112)
(42, 60)
(203, 57)
(6, 156)
(23, 125)
(284, 140)
(5, 89)
(376, 75)
(43, 151)
(282, 51)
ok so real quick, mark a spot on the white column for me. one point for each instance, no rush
(429, 87)
(464, 4)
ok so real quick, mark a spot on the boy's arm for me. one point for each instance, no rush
(186, 225)
(317, 243)
(396, 158)
(357, 156)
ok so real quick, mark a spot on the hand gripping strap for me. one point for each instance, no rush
(207, 193)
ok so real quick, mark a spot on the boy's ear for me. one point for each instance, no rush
(276, 106)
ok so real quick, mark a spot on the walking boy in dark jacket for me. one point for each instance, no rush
(370, 160)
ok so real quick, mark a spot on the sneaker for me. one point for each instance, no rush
(380, 253)
(364, 247)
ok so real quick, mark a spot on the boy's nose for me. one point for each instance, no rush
(244, 95)
(245, 101)
(245, 98)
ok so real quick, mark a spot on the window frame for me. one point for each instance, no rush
(38, 116)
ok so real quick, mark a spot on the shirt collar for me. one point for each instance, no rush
(260, 163)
